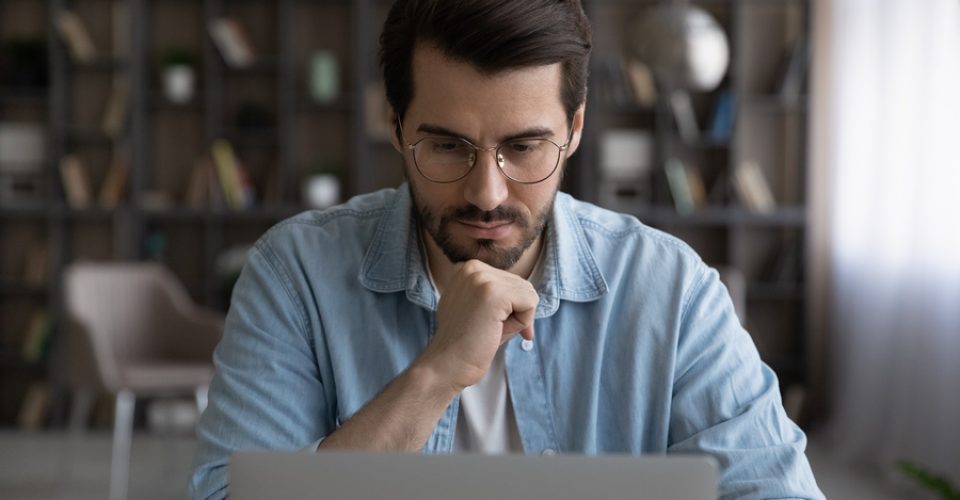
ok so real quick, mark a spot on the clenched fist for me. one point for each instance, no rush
(481, 308)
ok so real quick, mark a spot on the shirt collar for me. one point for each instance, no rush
(394, 259)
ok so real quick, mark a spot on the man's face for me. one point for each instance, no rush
(484, 216)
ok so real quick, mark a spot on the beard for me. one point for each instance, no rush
(490, 252)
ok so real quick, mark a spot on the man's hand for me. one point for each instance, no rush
(481, 308)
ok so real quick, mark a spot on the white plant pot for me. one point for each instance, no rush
(179, 82)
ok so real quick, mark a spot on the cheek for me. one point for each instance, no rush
(536, 197)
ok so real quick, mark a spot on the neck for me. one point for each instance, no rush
(442, 269)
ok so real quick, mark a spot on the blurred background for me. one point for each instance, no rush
(806, 148)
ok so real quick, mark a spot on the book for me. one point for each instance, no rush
(36, 339)
(121, 34)
(684, 116)
(199, 186)
(698, 190)
(233, 178)
(116, 112)
(76, 36)
(35, 265)
(642, 82)
(76, 185)
(232, 41)
(271, 188)
(752, 187)
(155, 199)
(114, 185)
(679, 187)
(377, 111)
(33, 410)
(791, 81)
(724, 116)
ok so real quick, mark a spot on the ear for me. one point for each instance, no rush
(395, 131)
(577, 127)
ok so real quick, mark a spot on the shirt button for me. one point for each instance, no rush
(526, 345)
(549, 451)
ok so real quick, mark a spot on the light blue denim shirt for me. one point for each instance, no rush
(638, 348)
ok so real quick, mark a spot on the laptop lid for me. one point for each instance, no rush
(364, 476)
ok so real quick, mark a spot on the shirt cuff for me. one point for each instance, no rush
(314, 446)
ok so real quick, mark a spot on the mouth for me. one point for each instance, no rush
(486, 230)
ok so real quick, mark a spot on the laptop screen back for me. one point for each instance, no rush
(365, 476)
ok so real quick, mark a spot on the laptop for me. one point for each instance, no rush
(339, 475)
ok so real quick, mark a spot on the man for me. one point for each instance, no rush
(475, 308)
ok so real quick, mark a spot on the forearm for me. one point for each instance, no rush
(401, 418)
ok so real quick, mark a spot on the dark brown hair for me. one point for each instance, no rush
(493, 36)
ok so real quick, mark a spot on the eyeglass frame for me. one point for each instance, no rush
(478, 150)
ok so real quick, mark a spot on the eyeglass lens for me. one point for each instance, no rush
(448, 159)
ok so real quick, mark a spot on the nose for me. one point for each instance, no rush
(486, 187)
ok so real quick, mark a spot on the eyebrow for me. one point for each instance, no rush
(529, 133)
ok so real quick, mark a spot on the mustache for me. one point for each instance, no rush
(472, 213)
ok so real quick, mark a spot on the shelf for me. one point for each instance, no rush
(35, 96)
(24, 210)
(188, 214)
(101, 65)
(22, 290)
(713, 216)
(343, 104)
(263, 66)
(85, 137)
(634, 108)
(704, 142)
(775, 291)
(92, 213)
(267, 137)
(160, 103)
(772, 103)
(12, 361)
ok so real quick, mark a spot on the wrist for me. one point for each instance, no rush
(428, 372)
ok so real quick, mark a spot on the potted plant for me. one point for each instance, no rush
(178, 70)
(932, 482)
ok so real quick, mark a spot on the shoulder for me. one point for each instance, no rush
(623, 235)
(351, 224)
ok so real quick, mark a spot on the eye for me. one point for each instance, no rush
(523, 147)
(447, 146)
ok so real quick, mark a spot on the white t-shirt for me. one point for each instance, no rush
(486, 422)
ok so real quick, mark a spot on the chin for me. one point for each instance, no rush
(489, 252)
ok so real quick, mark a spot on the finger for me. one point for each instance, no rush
(527, 333)
(513, 325)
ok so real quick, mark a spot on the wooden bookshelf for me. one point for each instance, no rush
(163, 139)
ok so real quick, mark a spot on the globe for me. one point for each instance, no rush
(684, 46)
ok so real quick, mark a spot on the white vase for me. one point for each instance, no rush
(321, 191)
(179, 81)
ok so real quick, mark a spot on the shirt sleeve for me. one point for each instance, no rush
(726, 403)
(267, 392)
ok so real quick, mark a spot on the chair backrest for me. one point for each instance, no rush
(120, 308)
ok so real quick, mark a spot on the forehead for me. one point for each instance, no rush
(456, 94)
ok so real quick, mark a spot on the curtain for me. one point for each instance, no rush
(886, 178)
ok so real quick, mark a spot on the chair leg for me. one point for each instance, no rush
(83, 400)
(80, 410)
(122, 436)
(200, 394)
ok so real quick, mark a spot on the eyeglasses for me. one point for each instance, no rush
(448, 159)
